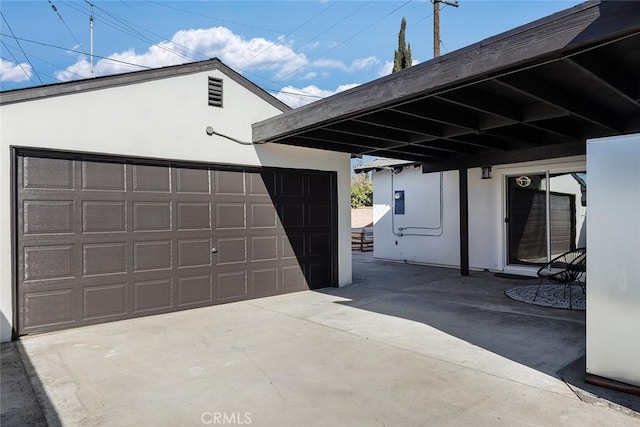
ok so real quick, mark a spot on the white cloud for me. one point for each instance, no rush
(232, 49)
(311, 75)
(330, 63)
(12, 72)
(357, 64)
(385, 69)
(296, 97)
(364, 63)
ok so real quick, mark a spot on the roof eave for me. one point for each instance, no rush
(543, 40)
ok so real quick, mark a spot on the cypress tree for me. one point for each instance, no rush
(402, 56)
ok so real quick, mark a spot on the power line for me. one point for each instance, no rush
(353, 36)
(289, 33)
(46, 61)
(106, 58)
(129, 28)
(312, 39)
(20, 46)
(15, 60)
(118, 23)
(55, 9)
(44, 75)
(212, 17)
(301, 95)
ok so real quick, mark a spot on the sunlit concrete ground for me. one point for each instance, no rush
(404, 345)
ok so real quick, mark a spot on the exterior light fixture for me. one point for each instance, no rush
(486, 172)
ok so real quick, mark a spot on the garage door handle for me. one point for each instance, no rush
(214, 250)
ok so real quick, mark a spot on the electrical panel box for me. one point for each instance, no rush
(398, 202)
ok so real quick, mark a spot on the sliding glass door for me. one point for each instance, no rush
(546, 216)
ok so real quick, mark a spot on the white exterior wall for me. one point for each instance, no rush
(436, 245)
(487, 210)
(162, 119)
(613, 286)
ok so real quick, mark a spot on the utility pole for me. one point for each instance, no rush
(91, 42)
(436, 23)
(91, 68)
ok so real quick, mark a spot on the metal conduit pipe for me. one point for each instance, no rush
(400, 229)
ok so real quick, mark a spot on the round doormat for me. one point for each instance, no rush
(549, 296)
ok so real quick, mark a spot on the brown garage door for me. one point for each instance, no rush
(102, 240)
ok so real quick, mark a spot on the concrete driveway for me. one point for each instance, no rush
(403, 346)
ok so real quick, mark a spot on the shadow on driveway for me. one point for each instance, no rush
(475, 309)
(18, 404)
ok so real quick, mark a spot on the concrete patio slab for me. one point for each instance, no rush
(405, 345)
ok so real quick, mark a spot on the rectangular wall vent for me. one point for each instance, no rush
(215, 92)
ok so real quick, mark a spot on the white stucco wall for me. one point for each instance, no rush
(613, 285)
(487, 231)
(435, 245)
(163, 119)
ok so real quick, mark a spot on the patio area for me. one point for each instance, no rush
(403, 345)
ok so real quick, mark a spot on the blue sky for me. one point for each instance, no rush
(299, 51)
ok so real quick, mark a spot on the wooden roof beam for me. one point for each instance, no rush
(557, 97)
(610, 75)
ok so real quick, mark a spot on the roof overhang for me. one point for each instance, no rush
(537, 91)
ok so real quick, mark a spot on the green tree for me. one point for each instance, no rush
(402, 56)
(361, 190)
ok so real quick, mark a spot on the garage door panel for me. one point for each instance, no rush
(149, 295)
(193, 181)
(261, 183)
(194, 216)
(293, 278)
(196, 289)
(292, 215)
(293, 246)
(108, 240)
(319, 186)
(48, 262)
(104, 301)
(151, 178)
(318, 245)
(318, 275)
(262, 215)
(263, 248)
(230, 216)
(104, 258)
(103, 176)
(48, 216)
(194, 253)
(152, 255)
(104, 217)
(231, 285)
(229, 183)
(49, 308)
(48, 174)
(231, 250)
(291, 184)
(318, 215)
(263, 281)
(152, 216)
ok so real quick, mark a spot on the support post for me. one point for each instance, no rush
(464, 221)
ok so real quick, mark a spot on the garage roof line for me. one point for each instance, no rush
(124, 79)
